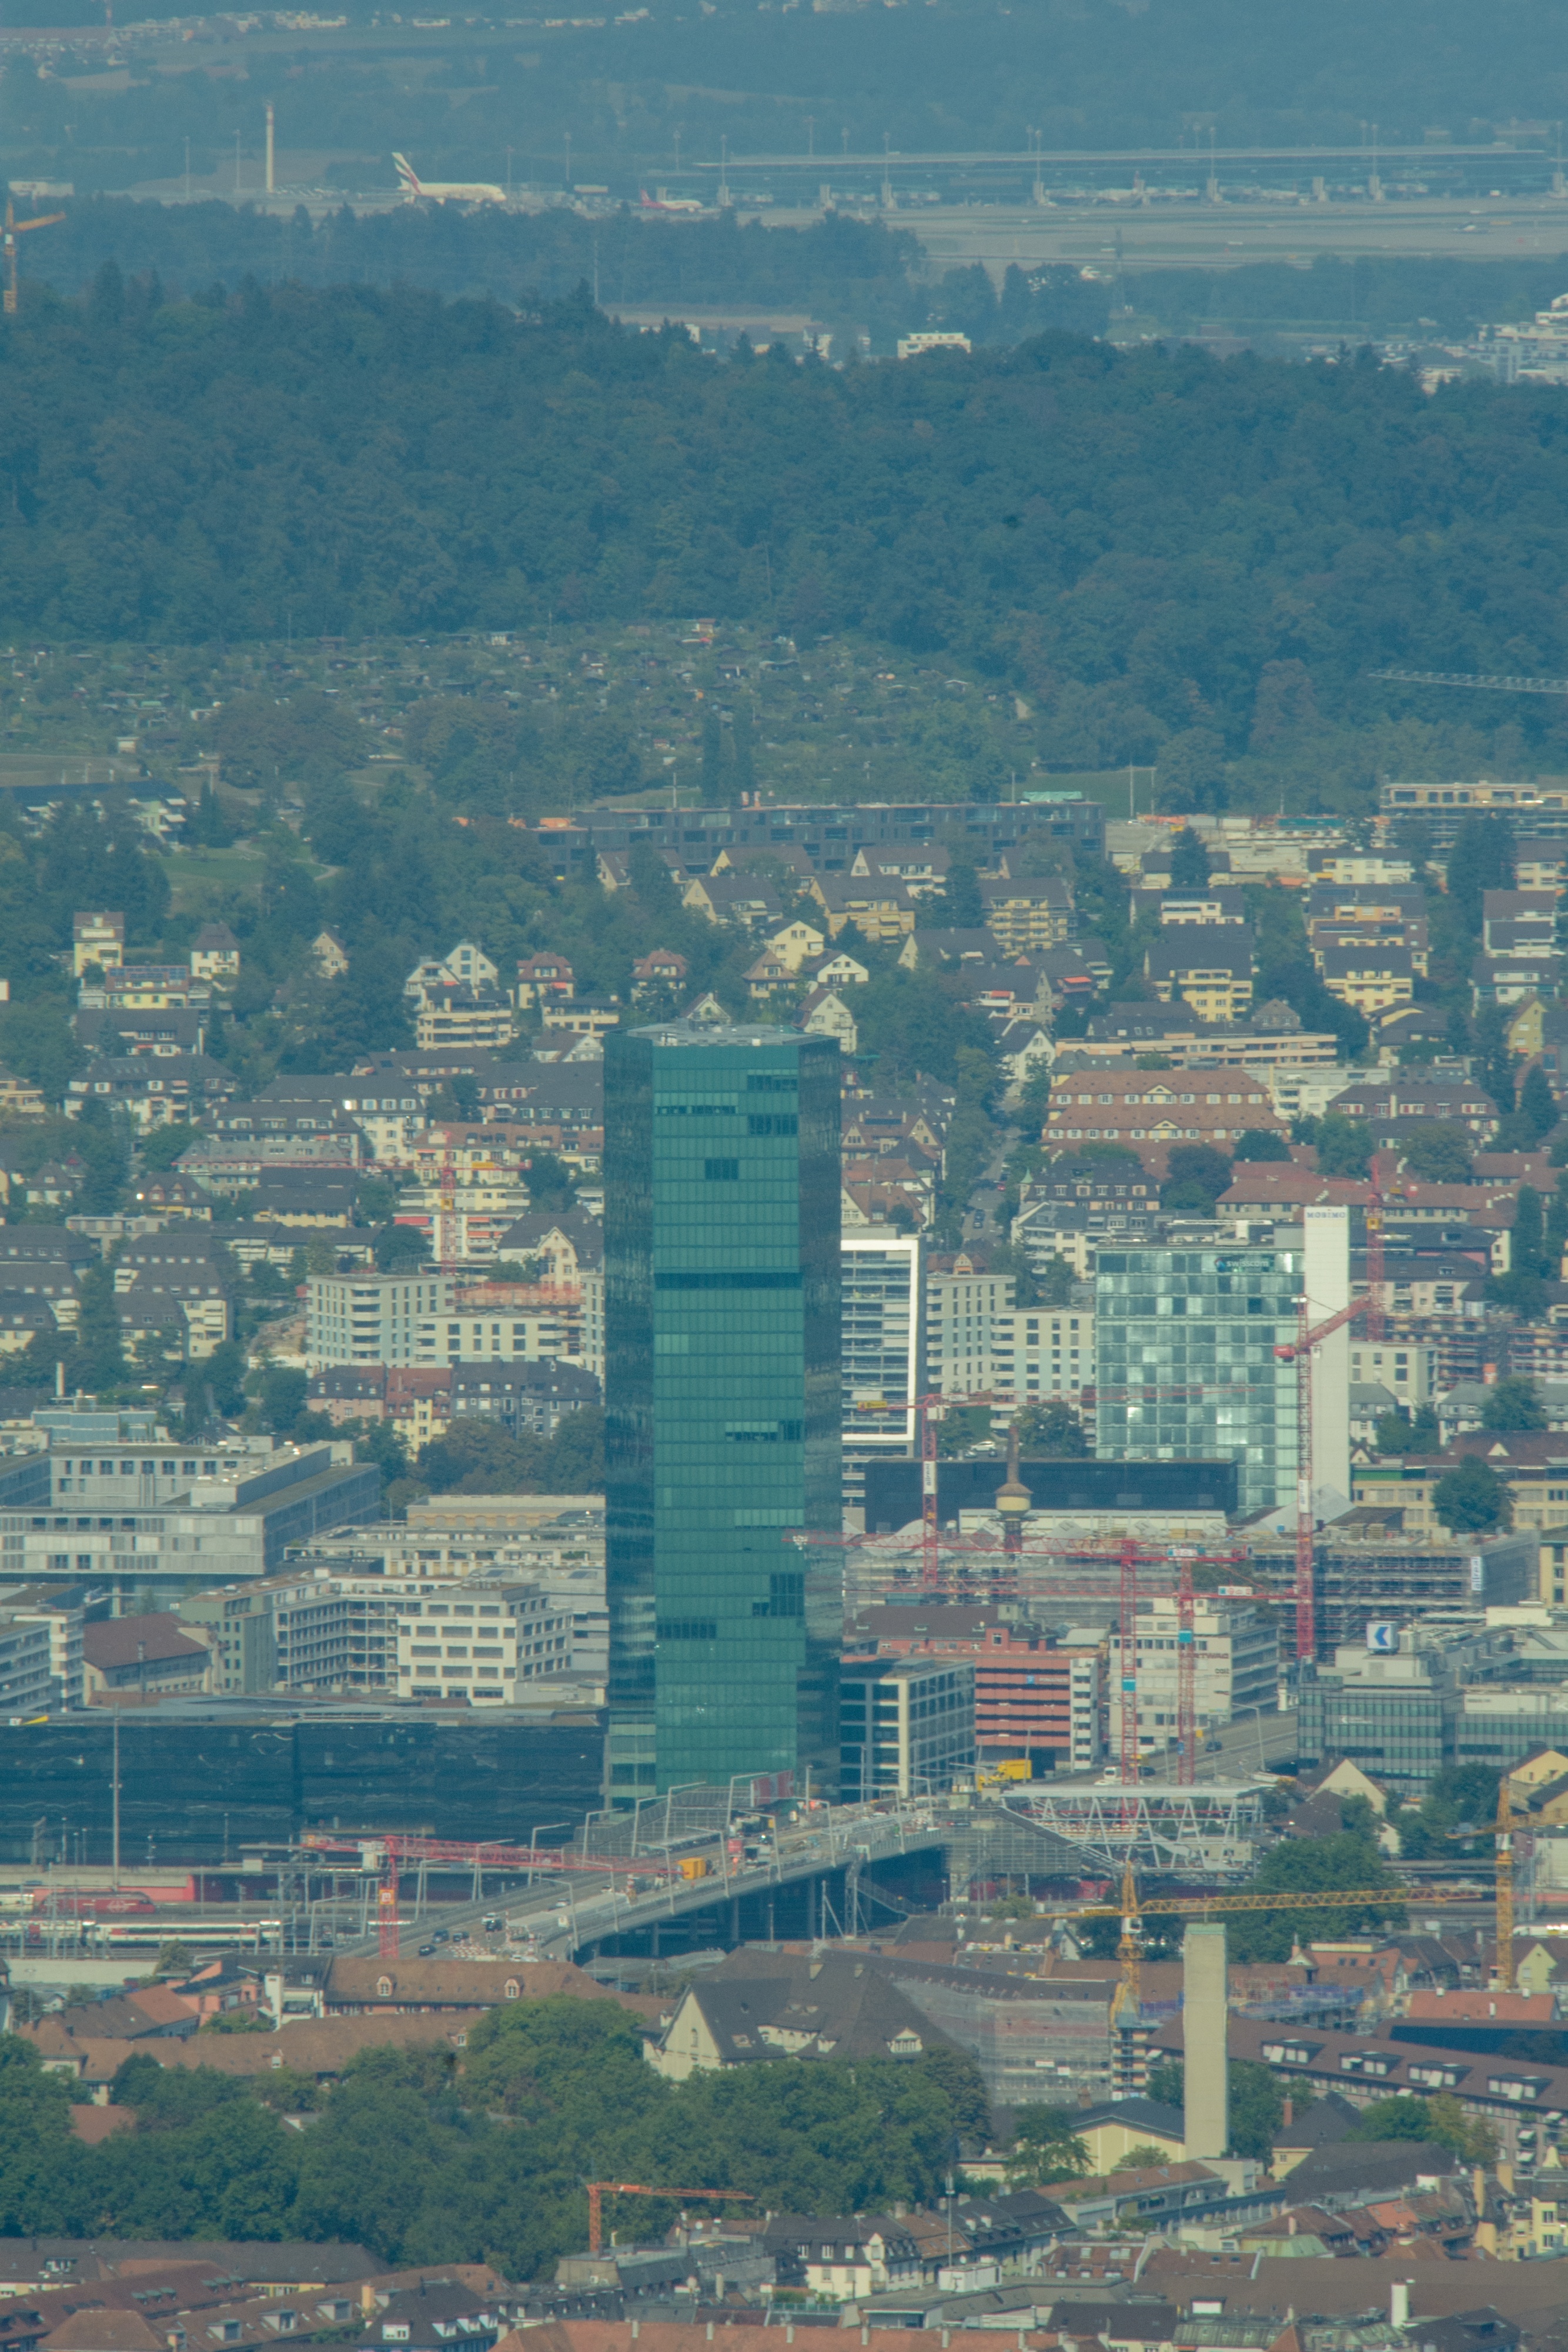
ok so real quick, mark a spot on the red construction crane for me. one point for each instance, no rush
(596, 2191)
(1298, 1351)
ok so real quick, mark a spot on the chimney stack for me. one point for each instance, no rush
(1206, 2095)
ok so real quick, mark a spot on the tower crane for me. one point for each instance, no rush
(1486, 680)
(598, 2190)
(1503, 1837)
(14, 229)
(1298, 1351)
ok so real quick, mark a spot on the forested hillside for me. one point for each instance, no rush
(957, 74)
(1166, 550)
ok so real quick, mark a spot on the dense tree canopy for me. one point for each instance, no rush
(547, 2096)
(1185, 548)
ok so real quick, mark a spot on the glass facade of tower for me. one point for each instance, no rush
(722, 1396)
(1184, 1362)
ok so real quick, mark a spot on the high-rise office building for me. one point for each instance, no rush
(880, 1271)
(723, 1404)
(1185, 1365)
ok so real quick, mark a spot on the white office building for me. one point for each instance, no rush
(1236, 1668)
(906, 1726)
(485, 1643)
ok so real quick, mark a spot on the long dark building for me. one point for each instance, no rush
(199, 1781)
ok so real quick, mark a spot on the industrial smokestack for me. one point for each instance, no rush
(1205, 2093)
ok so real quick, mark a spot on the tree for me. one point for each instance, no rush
(1315, 1866)
(1189, 860)
(98, 1361)
(1438, 1153)
(219, 1377)
(284, 1390)
(1439, 2121)
(479, 1457)
(1195, 1175)
(1257, 2102)
(551, 1185)
(741, 754)
(1392, 1434)
(1046, 2148)
(1051, 1431)
(963, 908)
(1144, 2155)
(1495, 1064)
(1261, 1144)
(1527, 1240)
(103, 1141)
(1472, 1500)
(158, 1150)
(1344, 1146)
(1513, 1403)
(1537, 1103)
(397, 1248)
(962, 1429)
(1481, 859)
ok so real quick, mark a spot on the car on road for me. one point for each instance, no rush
(425, 1950)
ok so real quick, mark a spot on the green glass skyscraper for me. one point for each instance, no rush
(1185, 1361)
(721, 1259)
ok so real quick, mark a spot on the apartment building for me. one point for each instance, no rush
(1532, 1463)
(1207, 966)
(96, 939)
(1369, 977)
(1147, 1107)
(962, 1303)
(1540, 809)
(381, 1318)
(1406, 1368)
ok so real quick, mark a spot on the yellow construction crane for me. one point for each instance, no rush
(14, 229)
(1132, 1911)
(1130, 1951)
(1199, 1906)
(1504, 1838)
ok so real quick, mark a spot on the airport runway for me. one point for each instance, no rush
(1225, 236)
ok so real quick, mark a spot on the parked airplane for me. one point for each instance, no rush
(670, 204)
(446, 192)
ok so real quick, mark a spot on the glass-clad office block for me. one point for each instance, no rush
(721, 1261)
(1185, 1365)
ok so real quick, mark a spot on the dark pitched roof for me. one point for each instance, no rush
(1347, 2172)
(1319, 2124)
(840, 2006)
(113, 1642)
